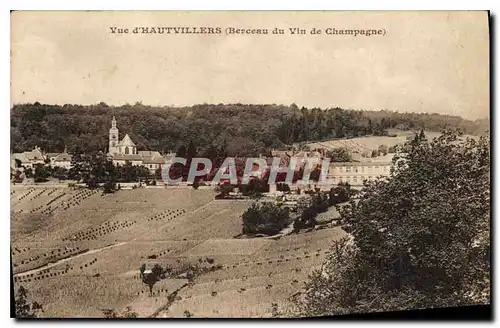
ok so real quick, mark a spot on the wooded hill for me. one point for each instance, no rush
(237, 128)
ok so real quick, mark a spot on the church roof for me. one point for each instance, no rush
(63, 157)
(126, 141)
(154, 158)
(35, 154)
(152, 153)
(128, 157)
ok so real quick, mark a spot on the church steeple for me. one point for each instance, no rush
(113, 137)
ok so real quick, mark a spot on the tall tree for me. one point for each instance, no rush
(419, 238)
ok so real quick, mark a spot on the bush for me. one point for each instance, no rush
(282, 187)
(265, 218)
(109, 187)
(340, 194)
(41, 173)
(196, 184)
(112, 314)
(318, 203)
(24, 307)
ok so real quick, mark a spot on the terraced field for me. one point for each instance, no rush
(78, 252)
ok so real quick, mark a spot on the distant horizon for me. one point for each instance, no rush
(252, 104)
(425, 62)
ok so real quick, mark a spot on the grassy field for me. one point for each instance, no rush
(84, 254)
(362, 145)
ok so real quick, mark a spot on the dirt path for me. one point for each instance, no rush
(69, 258)
(171, 300)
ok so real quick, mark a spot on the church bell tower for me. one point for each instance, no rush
(113, 137)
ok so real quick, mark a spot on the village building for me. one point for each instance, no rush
(27, 159)
(355, 173)
(30, 159)
(62, 160)
(59, 159)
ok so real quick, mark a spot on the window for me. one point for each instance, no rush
(126, 150)
(361, 169)
(355, 179)
(347, 169)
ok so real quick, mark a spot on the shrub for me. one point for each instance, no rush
(24, 307)
(265, 218)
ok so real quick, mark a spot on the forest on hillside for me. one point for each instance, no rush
(237, 128)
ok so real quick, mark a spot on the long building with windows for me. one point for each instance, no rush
(355, 173)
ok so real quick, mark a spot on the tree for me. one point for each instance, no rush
(152, 277)
(142, 172)
(196, 184)
(128, 172)
(255, 187)
(419, 238)
(79, 167)
(60, 173)
(283, 187)
(339, 194)
(41, 173)
(339, 155)
(309, 208)
(18, 176)
(110, 178)
(224, 189)
(383, 150)
(265, 218)
(191, 150)
(24, 307)
(91, 168)
(112, 314)
(158, 173)
(181, 151)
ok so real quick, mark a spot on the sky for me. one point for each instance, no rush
(436, 62)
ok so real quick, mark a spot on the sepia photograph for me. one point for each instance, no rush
(250, 164)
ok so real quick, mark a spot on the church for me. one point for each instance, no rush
(125, 150)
